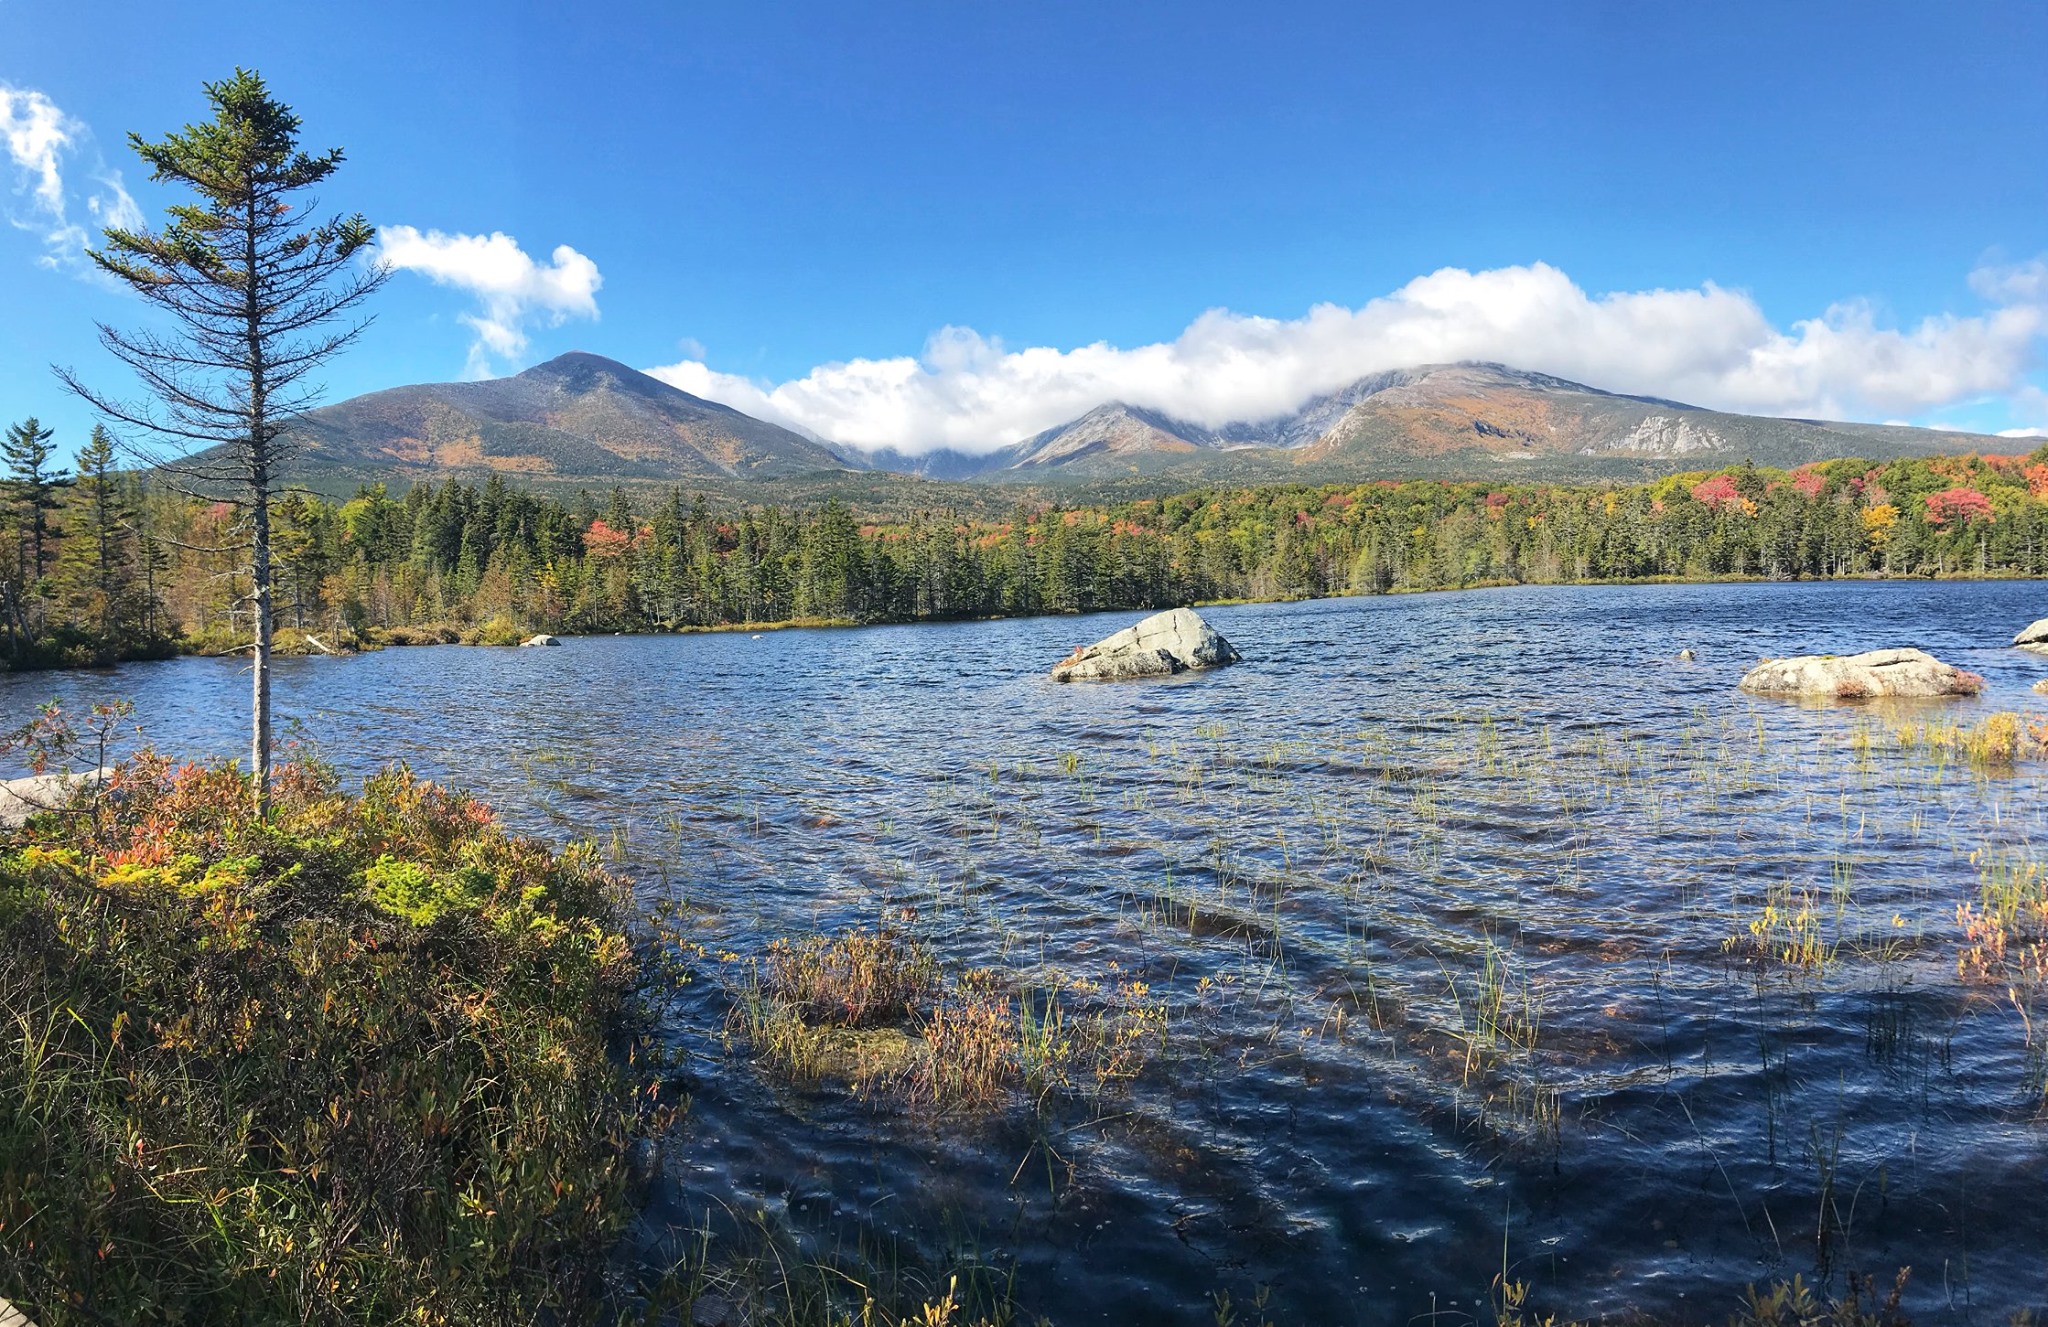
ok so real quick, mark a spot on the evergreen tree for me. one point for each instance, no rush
(33, 491)
(252, 283)
(103, 525)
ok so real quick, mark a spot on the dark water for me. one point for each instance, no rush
(1314, 860)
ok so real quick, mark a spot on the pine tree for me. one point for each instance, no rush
(102, 575)
(252, 284)
(34, 493)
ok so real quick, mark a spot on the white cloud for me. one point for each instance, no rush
(1710, 346)
(512, 290)
(41, 140)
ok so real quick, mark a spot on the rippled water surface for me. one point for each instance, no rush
(1326, 863)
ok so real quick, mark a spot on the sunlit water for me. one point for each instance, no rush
(1312, 858)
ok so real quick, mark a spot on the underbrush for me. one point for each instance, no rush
(430, 634)
(72, 647)
(343, 1063)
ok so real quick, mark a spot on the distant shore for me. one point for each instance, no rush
(293, 642)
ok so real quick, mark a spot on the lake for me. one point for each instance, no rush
(1486, 933)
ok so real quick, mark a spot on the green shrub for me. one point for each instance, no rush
(500, 630)
(347, 1063)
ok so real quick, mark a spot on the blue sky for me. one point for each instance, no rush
(945, 224)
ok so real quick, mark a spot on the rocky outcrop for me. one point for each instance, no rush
(24, 797)
(2034, 638)
(542, 639)
(1163, 644)
(1861, 676)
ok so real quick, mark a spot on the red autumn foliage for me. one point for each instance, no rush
(1958, 505)
(601, 541)
(1716, 493)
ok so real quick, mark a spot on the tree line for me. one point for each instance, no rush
(107, 566)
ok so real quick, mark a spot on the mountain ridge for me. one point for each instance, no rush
(587, 421)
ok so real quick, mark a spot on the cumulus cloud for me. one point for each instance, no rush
(1708, 346)
(512, 290)
(43, 143)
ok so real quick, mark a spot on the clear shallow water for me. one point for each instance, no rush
(1310, 858)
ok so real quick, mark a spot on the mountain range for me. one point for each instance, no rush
(581, 420)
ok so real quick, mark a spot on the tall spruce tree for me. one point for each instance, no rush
(34, 492)
(103, 531)
(253, 284)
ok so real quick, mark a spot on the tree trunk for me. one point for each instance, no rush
(259, 521)
(259, 756)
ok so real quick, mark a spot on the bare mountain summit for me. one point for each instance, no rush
(1459, 420)
(579, 418)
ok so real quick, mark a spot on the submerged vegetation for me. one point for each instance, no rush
(108, 568)
(346, 1063)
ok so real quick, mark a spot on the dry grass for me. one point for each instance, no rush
(871, 1008)
(856, 980)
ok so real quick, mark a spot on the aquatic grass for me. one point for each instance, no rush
(1997, 741)
(1294, 858)
(1786, 932)
(856, 979)
(746, 1271)
(1795, 1304)
(2005, 932)
(871, 1009)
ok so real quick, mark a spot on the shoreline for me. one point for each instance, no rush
(443, 633)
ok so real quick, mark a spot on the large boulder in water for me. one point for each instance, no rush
(1163, 644)
(2034, 638)
(1861, 676)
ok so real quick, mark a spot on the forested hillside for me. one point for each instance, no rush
(105, 568)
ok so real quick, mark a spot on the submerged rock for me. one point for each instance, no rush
(2042, 686)
(24, 797)
(1861, 676)
(2034, 638)
(542, 639)
(1164, 643)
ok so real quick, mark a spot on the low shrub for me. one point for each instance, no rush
(343, 1063)
(421, 635)
(500, 630)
